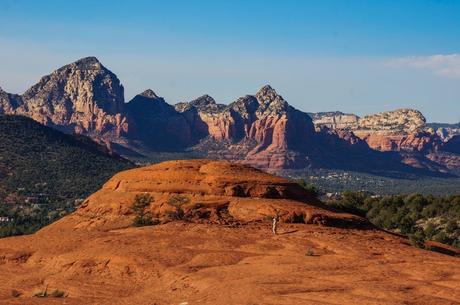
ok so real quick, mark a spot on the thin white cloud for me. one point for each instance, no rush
(443, 65)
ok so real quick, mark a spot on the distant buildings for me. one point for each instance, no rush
(5, 219)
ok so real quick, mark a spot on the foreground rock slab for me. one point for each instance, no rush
(212, 264)
(224, 254)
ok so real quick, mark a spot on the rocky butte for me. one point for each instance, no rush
(214, 245)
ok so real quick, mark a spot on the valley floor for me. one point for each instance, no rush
(185, 263)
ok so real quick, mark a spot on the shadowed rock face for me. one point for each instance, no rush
(156, 123)
(453, 145)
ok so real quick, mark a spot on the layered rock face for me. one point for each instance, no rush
(208, 118)
(399, 130)
(274, 128)
(206, 191)
(83, 97)
(334, 120)
(401, 120)
(420, 145)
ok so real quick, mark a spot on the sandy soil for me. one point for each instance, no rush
(180, 263)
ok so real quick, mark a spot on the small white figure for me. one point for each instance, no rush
(275, 225)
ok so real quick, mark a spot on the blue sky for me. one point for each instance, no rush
(353, 56)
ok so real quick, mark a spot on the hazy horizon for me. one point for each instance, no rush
(320, 56)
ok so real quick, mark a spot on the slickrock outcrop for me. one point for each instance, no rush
(214, 245)
(216, 191)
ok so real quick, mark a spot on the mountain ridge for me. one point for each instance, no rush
(262, 129)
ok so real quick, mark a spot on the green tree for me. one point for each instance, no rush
(143, 218)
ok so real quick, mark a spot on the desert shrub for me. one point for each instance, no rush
(177, 214)
(441, 237)
(146, 220)
(430, 230)
(143, 218)
(310, 188)
(178, 200)
(417, 239)
(309, 252)
(451, 226)
(406, 213)
(141, 202)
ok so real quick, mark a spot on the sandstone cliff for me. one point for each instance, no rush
(334, 120)
(398, 130)
(82, 97)
(266, 120)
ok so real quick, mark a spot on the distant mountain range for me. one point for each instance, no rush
(261, 129)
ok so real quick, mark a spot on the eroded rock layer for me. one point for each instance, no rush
(216, 191)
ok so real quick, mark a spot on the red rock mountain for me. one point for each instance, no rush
(399, 130)
(404, 131)
(82, 97)
(262, 129)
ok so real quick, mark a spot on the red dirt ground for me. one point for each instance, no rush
(225, 254)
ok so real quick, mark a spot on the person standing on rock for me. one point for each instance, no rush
(275, 225)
